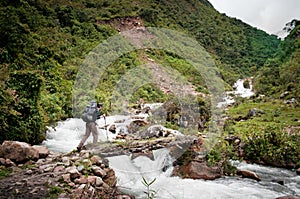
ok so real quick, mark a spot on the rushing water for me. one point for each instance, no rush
(66, 136)
(130, 172)
(239, 91)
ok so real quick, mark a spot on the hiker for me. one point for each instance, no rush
(91, 123)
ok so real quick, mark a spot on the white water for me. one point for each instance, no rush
(130, 174)
(67, 134)
(240, 91)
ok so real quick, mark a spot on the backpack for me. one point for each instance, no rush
(90, 113)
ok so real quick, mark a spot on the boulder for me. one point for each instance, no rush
(148, 154)
(9, 163)
(298, 171)
(74, 173)
(66, 178)
(255, 112)
(98, 171)
(198, 170)
(99, 181)
(249, 174)
(96, 160)
(110, 177)
(136, 124)
(112, 128)
(18, 151)
(155, 131)
(2, 161)
(291, 101)
(282, 95)
(82, 180)
(59, 168)
(43, 151)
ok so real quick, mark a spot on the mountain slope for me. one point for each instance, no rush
(43, 43)
(282, 73)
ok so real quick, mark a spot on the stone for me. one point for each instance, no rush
(40, 161)
(66, 177)
(99, 181)
(49, 169)
(86, 162)
(98, 171)
(80, 168)
(112, 128)
(43, 151)
(298, 171)
(123, 197)
(82, 186)
(91, 180)
(45, 166)
(155, 131)
(66, 161)
(81, 180)
(2, 161)
(249, 174)
(29, 172)
(18, 152)
(74, 158)
(136, 124)
(110, 178)
(105, 186)
(197, 170)
(74, 173)
(237, 141)
(59, 168)
(9, 163)
(96, 160)
(148, 154)
(282, 95)
(291, 101)
(85, 154)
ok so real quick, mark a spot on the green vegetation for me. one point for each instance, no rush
(270, 136)
(54, 192)
(282, 73)
(43, 44)
(150, 194)
(4, 172)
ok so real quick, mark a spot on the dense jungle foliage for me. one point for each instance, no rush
(43, 44)
(282, 72)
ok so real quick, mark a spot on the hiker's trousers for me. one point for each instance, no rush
(89, 127)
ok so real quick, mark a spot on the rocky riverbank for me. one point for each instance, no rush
(38, 173)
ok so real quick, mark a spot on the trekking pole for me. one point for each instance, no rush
(105, 128)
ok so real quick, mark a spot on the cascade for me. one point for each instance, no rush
(240, 91)
(130, 172)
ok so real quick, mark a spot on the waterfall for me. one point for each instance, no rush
(240, 91)
(131, 172)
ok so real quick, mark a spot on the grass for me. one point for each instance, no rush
(275, 112)
(4, 172)
(266, 135)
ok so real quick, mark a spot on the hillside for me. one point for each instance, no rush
(281, 74)
(43, 44)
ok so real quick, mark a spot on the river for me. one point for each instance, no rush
(66, 136)
(275, 182)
